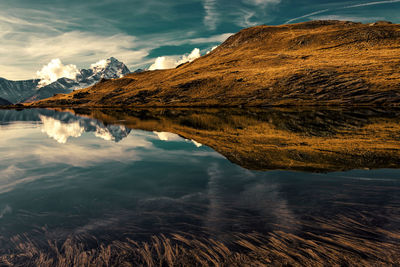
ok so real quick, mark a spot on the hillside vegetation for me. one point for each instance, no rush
(311, 63)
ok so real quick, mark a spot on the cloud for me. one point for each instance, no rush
(307, 15)
(56, 70)
(255, 13)
(211, 17)
(245, 19)
(10, 172)
(162, 63)
(170, 62)
(351, 18)
(346, 18)
(373, 3)
(212, 39)
(31, 38)
(24, 52)
(88, 47)
(99, 65)
(212, 49)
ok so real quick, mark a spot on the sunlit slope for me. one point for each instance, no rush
(312, 63)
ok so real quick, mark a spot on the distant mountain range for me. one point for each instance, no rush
(4, 102)
(28, 91)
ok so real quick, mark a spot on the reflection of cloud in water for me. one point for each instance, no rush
(261, 200)
(166, 136)
(266, 199)
(5, 210)
(216, 205)
(10, 172)
(92, 152)
(197, 144)
(60, 131)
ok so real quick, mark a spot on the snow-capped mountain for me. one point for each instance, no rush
(107, 69)
(27, 91)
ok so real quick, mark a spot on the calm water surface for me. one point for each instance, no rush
(68, 177)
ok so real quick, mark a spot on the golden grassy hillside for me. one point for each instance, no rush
(311, 63)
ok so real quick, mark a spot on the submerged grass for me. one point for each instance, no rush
(340, 242)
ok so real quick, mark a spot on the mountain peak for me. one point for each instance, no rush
(110, 68)
(112, 59)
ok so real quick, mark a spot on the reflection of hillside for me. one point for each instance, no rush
(306, 140)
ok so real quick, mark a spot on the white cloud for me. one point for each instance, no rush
(99, 65)
(245, 19)
(255, 15)
(10, 172)
(169, 62)
(88, 47)
(192, 56)
(307, 15)
(373, 3)
(351, 18)
(31, 38)
(211, 17)
(56, 70)
(23, 52)
(162, 63)
(346, 18)
(212, 39)
(212, 49)
(60, 131)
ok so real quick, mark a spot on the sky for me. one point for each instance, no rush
(148, 33)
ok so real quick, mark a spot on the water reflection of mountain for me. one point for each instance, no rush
(62, 125)
(267, 139)
(171, 204)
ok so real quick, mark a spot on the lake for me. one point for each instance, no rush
(200, 187)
